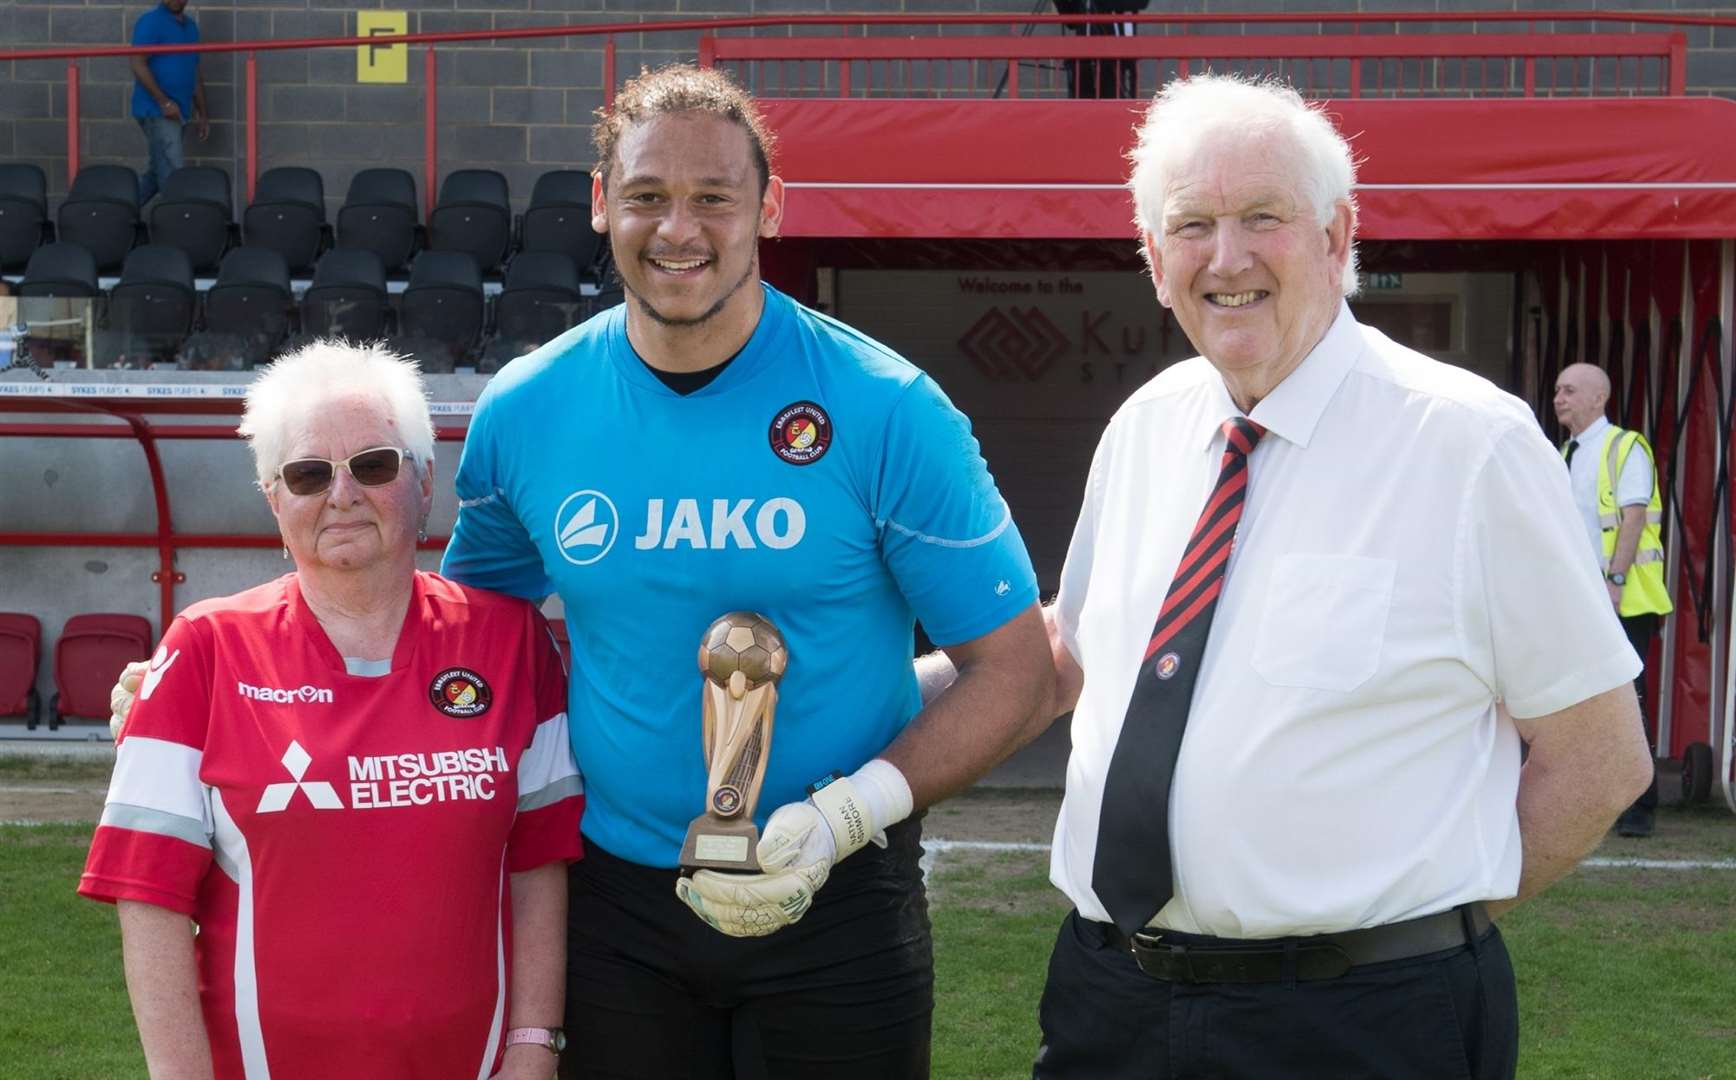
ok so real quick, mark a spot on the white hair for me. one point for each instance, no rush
(299, 382)
(1188, 112)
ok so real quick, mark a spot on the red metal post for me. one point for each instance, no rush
(1530, 76)
(71, 121)
(609, 67)
(252, 124)
(1678, 73)
(707, 50)
(430, 129)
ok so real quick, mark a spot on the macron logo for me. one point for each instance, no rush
(160, 665)
(277, 796)
(306, 695)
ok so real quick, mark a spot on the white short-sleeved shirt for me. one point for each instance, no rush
(1408, 554)
(1632, 488)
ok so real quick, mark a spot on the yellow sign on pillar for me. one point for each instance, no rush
(382, 63)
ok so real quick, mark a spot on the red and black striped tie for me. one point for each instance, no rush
(1131, 873)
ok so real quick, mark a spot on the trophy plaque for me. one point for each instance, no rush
(741, 657)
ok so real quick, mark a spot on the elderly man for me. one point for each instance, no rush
(1616, 493)
(1309, 565)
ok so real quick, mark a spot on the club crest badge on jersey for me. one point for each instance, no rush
(460, 692)
(801, 433)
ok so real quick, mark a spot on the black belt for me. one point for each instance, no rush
(1191, 958)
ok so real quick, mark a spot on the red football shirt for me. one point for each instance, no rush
(343, 840)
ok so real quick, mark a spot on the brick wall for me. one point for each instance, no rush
(520, 108)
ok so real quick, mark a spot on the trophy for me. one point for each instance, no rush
(742, 656)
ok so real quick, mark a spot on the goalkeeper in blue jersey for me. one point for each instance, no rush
(711, 446)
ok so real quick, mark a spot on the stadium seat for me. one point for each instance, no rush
(379, 215)
(59, 285)
(20, 653)
(559, 219)
(288, 214)
(88, 659)
(24, 224)
(151, 308)
(101, 212)
(347, 298)
(246, 312)
(195, 213)
(539, 302)
(440, 315)
(474, 215)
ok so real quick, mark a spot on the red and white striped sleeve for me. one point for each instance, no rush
(551, 792)
(153, 843)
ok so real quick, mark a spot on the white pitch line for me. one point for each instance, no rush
(1662, 864)
(11, 789)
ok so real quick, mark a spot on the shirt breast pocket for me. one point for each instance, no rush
(1324, 621)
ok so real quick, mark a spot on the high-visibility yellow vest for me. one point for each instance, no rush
(1644, 591)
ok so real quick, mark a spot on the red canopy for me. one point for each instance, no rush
(1459, 169)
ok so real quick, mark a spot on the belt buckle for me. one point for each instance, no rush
(1150, 942)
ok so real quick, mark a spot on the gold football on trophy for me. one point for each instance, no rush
(742, 641)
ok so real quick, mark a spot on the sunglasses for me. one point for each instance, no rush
(371, 468)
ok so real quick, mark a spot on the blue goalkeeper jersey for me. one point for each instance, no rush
(820, 480)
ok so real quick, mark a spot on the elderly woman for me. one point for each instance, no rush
(343, 801)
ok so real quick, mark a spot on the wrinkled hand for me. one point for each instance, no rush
(171, 109)
(121, 697)
(752, 905)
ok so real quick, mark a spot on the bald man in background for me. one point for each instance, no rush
(1616, 491)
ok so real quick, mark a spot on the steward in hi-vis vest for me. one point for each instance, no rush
(1643, 589)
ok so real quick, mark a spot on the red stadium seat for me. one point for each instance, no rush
(88, 659)
(20, 652)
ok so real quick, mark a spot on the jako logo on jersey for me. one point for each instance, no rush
(277, 796)
(585, 527)
(307, 695)
(779, 523)
(801, 433)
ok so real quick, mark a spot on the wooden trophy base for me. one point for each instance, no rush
(715, 843)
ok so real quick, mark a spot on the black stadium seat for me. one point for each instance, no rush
(539, 302)
(559, 219)
(101, 212)
(58, 282)
(24, 224)
(474, 215)
(379, 215)
(150, 310)
(246, 312)
(288, 214)
(347, 298)
(440, 315)
(195, 214)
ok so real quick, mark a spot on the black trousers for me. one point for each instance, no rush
(1640, 630)
(654, 993)
(1438, 1017)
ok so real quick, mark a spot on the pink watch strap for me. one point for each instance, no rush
(543, 1037)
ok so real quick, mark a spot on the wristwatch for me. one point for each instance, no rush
(554, 1040)
(1616, 579)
